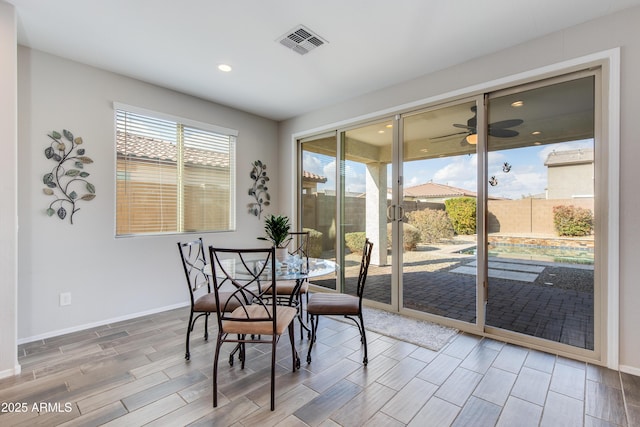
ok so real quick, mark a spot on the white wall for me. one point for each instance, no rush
(618, 30)
(8, 192)
(108, 278)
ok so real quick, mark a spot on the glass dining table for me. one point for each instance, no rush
(290, 269)
(287, 270)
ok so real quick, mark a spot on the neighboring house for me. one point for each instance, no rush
(570, 174)
(436, 193)
(310, 182)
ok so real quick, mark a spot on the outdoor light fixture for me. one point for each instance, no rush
(472, 139)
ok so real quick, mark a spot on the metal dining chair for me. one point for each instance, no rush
(198, 274)
(241, 276)
(340, 304)
(198, 281)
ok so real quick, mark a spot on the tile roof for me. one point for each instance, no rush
(155, 149)
(431, 189)
(308, 176)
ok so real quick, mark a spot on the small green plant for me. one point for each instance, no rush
(433, 225)
(315, 242)
(572, 221)
(355, 241)
(277, 230)
(462, 213)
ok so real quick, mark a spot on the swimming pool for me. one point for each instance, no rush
(562, 254)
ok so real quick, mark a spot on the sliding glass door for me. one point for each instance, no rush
(485, 212)
(541, 230)
(437, 225)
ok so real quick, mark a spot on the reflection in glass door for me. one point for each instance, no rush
(541, 201)
(365, 172)
(438, 199)
(317, 192)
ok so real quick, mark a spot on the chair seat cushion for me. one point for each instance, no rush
(328, 304)
(284, 316)
(207, 303)
(285, 287)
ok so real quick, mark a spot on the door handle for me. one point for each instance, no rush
(388, 209)
(401, 212)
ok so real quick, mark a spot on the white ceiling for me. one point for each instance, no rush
(371, 43)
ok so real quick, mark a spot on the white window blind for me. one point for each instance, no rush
(172, 177)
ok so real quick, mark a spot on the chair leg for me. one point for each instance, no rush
(363, 334)
(301, 310)
(187, 355)
(273, 371)
(206, 327)
(314, 327)
(294, 353)
(303, 326)
(215, 370)
(192, 323)
(241, 356)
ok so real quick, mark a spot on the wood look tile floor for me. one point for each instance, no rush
(134, 373)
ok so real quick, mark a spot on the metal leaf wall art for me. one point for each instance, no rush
(67, 181)
(259, 189)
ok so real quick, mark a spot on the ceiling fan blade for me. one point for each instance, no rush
(447, 136)
(503, 133)
(506, 123)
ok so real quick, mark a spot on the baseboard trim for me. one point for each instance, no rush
(629, 370)
(100, 323)
(11, 372)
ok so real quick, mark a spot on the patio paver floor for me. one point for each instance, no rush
(556, 304)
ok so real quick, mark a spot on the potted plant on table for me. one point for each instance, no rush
(277, 230)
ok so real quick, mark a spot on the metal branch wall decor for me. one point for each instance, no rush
(67, 178)
(259, 189)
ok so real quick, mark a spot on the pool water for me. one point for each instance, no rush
(539, 253)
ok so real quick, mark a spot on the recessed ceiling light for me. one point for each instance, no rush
(380, 131)
(537, 143)
(537, 132)
(224, 67)
(389, 126)
(517, 103)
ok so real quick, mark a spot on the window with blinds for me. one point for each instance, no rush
(172, 176)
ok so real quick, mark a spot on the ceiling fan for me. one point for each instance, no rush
(497, 129)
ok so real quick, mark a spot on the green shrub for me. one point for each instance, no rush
(315, 242)
(432, 224)
(462, 213)
(572, 220)
(410, 236)
(355, 241)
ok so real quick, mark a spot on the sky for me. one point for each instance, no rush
(528, 174)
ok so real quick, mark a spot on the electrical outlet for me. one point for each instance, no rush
(65, 298)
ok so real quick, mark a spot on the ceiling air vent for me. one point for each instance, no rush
(301, 40)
